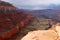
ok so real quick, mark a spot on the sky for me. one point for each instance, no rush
(34, 4)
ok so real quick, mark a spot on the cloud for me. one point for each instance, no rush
(33, 4)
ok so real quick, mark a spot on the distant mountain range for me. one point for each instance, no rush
(53, 14)
(45, 11)
(52, 6)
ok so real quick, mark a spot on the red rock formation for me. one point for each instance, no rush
(11, 20)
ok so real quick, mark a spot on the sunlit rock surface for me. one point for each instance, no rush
(41, 35)
(51, 34)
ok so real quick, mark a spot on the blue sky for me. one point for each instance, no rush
(34, 4)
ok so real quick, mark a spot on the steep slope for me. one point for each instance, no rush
(11, 20)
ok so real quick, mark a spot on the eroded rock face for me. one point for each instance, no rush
(41, 35)
(52, 34)
(12, 19)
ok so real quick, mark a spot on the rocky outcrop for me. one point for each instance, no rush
(41, 35)
(51, 34)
